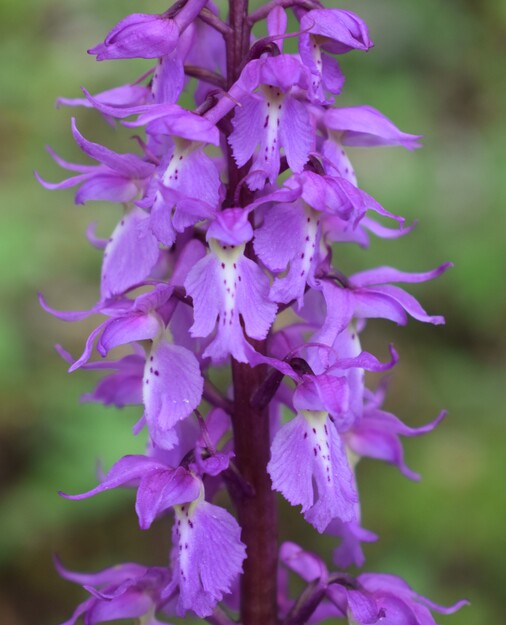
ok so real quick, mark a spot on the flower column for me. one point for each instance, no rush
(208, 250)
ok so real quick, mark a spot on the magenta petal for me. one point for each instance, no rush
(363, 607)
(296, 133)
(173, 388)
(410, 304)
(125, 95)
(247, 122)
(77, 315)
(231, 226)
(64, 184)
(343, 30)
(366, 126)
(139, 35)
(188, 257)
(126, 472)
(163, 488)
(322, 392)
(333, 77)
(366, 361)
(252, 302)
(210, 556)
(370, 304)
(309, 449)
(128, 164)
(384, 275)
(134, 327)
(112, 575)
(349, 552)
(107, 187)
(281, 236)
(131, 253)
(200, 286)
(130, 604)
(123, 388)
(308, 565)
(88, 348)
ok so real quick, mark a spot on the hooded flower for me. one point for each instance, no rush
(124, 591)
(118, 178)
(147, 36)
(308, 461)
(207, 555)
(377, 434)
(290, 236)
(329, 30)
(226, 286)
(367, 599)
(272, 118)
(358, 126)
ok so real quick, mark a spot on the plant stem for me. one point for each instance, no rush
(238, 41)
(256, 505)
(257, 513)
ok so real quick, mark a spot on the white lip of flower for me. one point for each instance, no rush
(230, 277)
(316, 419)
(182, 148)
(274, 103)
(312, 223)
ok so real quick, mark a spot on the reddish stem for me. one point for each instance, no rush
(256, 505)
(256, 511)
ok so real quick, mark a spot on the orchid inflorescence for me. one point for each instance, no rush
(222, 260)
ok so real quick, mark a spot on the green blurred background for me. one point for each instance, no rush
(437, 69)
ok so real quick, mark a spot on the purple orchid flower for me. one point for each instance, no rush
(240, 337)
(366, 295)
(370, 598)
(147, 36)
(357, 126)
(129, 95)
(118, 178)
(352, 535)
(207, 552)
(314, 439)
(329, 30)
(271, 119)
(376, 435)
(120, 592)
(121, 388)
(226, 285)
(290, 236)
